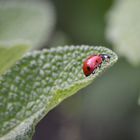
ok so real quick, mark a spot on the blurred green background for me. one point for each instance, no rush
(107, 109)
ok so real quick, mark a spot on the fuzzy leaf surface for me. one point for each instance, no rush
(9, 54)
(39, 82)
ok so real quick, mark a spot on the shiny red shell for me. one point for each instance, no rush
(91, 63)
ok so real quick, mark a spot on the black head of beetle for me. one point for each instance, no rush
(105, 57)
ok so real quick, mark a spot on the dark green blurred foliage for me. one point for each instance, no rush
(107, 109)
(83, 20)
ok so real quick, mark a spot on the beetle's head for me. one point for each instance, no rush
(105, 57)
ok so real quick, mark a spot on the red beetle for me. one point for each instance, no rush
(93, 62)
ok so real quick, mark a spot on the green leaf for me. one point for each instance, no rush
(124, 29)
(9, 54)
(39, 82)
(30, 21)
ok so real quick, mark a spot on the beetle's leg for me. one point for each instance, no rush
(93, 72)
(99, 66)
